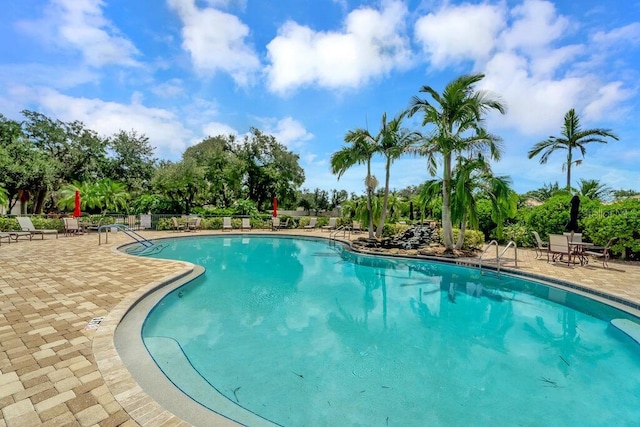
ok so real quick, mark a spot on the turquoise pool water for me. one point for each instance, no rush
(300, 332)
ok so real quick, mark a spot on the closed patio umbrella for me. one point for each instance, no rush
(411, 211)
(76, 209)
(572, 225)
(275, 207)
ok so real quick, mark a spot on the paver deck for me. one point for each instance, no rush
(58, 369)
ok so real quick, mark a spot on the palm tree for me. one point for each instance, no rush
(593, 189)
(112, 194)
(362, 148)
(457, 116)
(573, 137)
(473, 179)
(393, 141)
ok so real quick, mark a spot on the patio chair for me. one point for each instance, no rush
(71, 226)
(194, 224)
(541, 247)
(226, 223)
(246, 224)
(312, 224)
(356, 227)
(331, 225)
(275, 224)
(559, 247)
(176, 225)
(602, 251)
(27, 225)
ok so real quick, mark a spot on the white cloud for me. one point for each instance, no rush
(169, 89)
(536, 26)
(458, 33)
(80, 25)
(163, 127)
(290, 133)
(371, 45)
(216, 41)
(217, 128)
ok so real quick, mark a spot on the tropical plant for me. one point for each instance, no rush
(457, 116)
(573, 138)
(363, 147)
(393, 141)
(593, 189)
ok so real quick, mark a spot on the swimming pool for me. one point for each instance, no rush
(301, 332)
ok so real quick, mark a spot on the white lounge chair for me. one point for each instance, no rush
(27, 225)
(246, 224)
(312, 224)
(226, 223)
(275, 223)
(331, 225)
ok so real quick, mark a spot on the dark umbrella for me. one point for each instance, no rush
(76, 209)
(411, 211)
(572, 225)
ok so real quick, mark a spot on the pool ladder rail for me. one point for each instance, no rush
(344, 229)
(126, 230)
(499, 255)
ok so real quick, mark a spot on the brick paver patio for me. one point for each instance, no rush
(58, 370)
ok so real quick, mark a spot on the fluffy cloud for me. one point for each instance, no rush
(458, 33)
(525, 61)
(370, 45)
(80, 25)
(216, 41)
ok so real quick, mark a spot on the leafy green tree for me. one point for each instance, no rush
(573, 138)
(269, 169)
(363, 147)
(623, 194)
(224, 169)
(456, 116)
(181, 182)
(131, 160)
(4, 196)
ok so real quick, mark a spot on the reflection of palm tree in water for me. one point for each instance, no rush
(567, 344)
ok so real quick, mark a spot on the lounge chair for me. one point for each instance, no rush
(559, 247)
(27, 225)
(541, 247)
(275, 224)
(194, 224)
(356, 227)
(312, 224)
(5, 236)
(331, 225)
(602, 251)
(71, 226)
(176, 225)
(226, 223)
(246, 224)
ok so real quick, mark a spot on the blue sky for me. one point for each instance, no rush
(307, 71)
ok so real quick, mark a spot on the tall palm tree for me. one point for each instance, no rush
(393, 141)
(457, 116)
(573, 138)
(362, 148)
